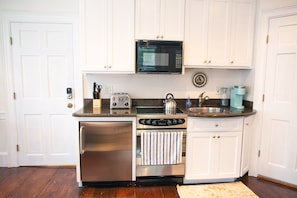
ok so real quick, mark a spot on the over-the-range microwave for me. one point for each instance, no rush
(159, 56)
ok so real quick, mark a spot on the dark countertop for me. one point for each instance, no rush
(105, 111)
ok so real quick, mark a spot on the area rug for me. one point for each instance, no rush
(221, 190)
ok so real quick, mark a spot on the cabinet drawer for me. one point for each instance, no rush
(196, 124)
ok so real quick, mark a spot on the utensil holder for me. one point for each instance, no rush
(96, 103)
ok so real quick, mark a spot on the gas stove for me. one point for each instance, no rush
(155, 117)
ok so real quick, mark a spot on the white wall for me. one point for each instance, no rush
(157, 85)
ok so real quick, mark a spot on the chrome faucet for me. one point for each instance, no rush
(202, 99)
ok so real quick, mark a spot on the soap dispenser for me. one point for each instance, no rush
(188, 103)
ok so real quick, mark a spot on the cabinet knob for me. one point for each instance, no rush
(69, 105)
(157, 37)
(213, 136)
(232, 62)
(162, 36)
(205, 61)
(209, 61)
(216, 125)
(219, 136)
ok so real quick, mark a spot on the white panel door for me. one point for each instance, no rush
(43, 69)
(279, 133)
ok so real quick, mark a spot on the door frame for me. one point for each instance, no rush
(16, 17)
(260, 54)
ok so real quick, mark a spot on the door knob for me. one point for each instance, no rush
(70, 105)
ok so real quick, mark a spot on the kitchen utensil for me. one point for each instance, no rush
(169, 104)
(96, 90)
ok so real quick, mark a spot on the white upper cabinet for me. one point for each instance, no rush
(107, 36)
(160, 19)
(219, 33)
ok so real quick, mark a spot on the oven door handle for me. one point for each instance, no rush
(81, 140)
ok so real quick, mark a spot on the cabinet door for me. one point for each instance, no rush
(159, 19)
(172, 17)
(199, 161)
(107, 37)
(228, 154)
(219, 32)
(121, 52)
(242, 34)
(147, 16)
(93, 14)
(196, 32)
(246, 142)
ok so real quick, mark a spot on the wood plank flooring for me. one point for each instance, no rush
(43, 182)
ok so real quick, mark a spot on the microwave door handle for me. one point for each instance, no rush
(81, 140)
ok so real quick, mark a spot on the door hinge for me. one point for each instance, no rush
(259, 153)
(14, 95)
(267, 39)
(11, 41)
(17, 148)
(263, 97)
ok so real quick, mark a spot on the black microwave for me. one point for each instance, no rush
(159, 56)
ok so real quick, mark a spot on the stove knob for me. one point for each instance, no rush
(169, 122)
(155, 122)
(174, 121)
(180, 121)
(148, 121)
(142, 121)
(114, 104)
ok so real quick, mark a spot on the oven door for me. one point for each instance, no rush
(161, 152)
(159, 57)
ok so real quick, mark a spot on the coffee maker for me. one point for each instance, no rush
(237, 93)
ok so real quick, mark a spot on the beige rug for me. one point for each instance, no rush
(228, 190)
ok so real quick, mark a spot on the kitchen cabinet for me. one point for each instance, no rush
(159, 19)
(213, 149)
(246, 144)
(107, 36)
(219, 33)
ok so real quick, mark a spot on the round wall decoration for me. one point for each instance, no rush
(199, 79)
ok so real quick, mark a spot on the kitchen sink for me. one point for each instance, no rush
(208, 110)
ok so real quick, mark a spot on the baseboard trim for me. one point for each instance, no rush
(277, 181)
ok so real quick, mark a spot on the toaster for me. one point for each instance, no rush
(120, 101)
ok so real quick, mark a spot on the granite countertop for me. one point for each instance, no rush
(105, 111)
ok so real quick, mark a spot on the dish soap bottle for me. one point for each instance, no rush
(188, 103)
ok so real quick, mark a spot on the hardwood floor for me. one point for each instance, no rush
(28, 182)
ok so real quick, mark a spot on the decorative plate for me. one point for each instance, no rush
(199, 79)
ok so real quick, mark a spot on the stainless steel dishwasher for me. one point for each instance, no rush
(106, 151)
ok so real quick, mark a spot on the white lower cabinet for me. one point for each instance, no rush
(213, 149)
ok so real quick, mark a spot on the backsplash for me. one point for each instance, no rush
(158, 85)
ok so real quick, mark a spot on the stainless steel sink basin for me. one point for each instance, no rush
(208, 110)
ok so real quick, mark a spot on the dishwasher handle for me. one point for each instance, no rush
(81, 140)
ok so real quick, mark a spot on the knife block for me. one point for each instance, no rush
(96, 103)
